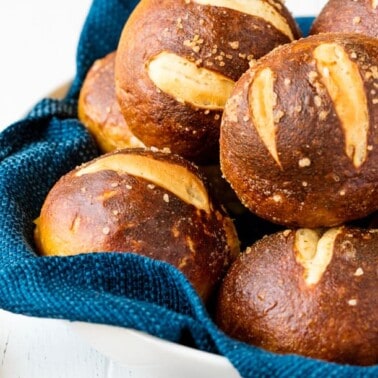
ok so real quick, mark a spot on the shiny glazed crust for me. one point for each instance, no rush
(265, 299)
(145, 202)
(299, 134)
(217, 41)
(359, 16)
(99, 111)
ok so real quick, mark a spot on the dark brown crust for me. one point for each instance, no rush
(156, 26)
(357, 16)
(312, 194)
(264, 300)
(114, 211)
(98, 107)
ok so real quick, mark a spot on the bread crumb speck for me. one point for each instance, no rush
(166, 198)
(323, 115)
(179, 23)
(318, 101)
(278, 115)
(312, 76)
(304, 162)
(277, 198)
(298, 108)
(352, 302)
(234, 45)
(359, 272)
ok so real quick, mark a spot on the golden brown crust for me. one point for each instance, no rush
(99, 111)
(358, 16)
(117, 203)
(265, 300)
(297, 151)
(214, 39)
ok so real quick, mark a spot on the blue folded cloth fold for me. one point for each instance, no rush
(111, 288)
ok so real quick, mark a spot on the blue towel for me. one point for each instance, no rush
(110, 288)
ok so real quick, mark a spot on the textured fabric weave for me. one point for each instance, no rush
(110, 288)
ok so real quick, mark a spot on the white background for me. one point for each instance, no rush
(38, 40)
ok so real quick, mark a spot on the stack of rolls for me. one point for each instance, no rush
(176, 64)
(154, 108)
(299, 145)
(289, 125)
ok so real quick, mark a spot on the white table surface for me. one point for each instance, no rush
(38, 42)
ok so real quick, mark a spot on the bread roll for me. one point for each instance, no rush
(145, 202)
(99, 111)
(358, 16)
(177, 62)
(299, 134)
(306, 292)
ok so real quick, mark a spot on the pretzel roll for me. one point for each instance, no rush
(177, 63)
(359, 16)
(99, 111)
(306, 292)
(145, 202)
(299, 134)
